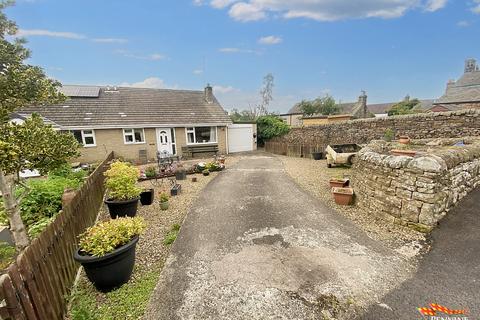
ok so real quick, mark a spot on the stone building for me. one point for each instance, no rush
(463, 93)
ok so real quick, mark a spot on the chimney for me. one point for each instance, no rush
(209, 94)
(471, 65)
(362, 99)
(361, 110)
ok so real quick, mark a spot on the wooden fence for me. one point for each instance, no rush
(37, 284)
(293, 150)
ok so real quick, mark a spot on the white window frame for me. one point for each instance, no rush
(133, 135)
(87, 135)
(187, 131)
(173, 140)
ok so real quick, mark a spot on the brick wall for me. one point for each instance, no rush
(418, 126)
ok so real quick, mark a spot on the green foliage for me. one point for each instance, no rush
(43, 200)
(107, 236)
(242, 116)
(7, 255)
(171, 236)
(212, 166)
(122, 181)
(66, 171)
(164, 197)
(325, 105)
(34, 145)
(206, 172)
(151, 172)
(128, 302)
(389, 135)
(20, 84)
(269, 127)
(404, 107)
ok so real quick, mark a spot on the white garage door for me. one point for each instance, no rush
(240, 137)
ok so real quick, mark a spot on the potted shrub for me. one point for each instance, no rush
(404, 140)
(164, 201)
(343, 196)
(399, 152)
(206, 172)
(151, 172)
(146, 197)
(317, 155)
(107, 251)
(180, 172)
(339, 182)
(388, 135)
(123, 193)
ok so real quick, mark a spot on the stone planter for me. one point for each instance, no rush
(181, 174)
(404, 140)
(339, 183)
(343, 196)
(408, 153)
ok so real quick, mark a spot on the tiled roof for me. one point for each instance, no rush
(465, 89)
(128, 107)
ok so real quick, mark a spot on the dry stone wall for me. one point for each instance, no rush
(418, 191)
(417, 126)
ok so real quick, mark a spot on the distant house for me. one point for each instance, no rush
(463, 93)
(137, 121)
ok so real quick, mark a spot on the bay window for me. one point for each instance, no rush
(201, 135)
(132, 136)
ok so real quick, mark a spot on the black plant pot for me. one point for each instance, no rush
(317, 155)
(111, 270)
(127, 208)
(175, 190)
(146, 197)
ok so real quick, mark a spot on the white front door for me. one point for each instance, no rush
(164, 140)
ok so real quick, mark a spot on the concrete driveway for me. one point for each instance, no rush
(256, 246)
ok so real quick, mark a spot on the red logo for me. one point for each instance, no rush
(434, 308)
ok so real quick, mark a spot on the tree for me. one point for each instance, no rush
(32, 144)
(325, 105)
(266, 94)
(270, 126)
(404, 107)
(242, 116)
(308, 108)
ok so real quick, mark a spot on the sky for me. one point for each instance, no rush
(389, 48)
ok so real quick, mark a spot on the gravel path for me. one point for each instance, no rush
(313, 176)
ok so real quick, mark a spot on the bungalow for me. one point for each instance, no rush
(137, 123)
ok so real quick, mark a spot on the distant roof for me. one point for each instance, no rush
(465, 89)
(128, 107)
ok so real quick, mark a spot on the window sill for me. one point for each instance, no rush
(90, 146)
(133, 143)
(202, 143)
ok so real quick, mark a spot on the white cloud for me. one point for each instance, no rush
(434, 5)
(153, 56)
(237, 50)
(270, 40)
(156, 56)
(327, 10)
(151, 82)
(223, 90)
(220, 4)
(476, 8)
(243, 11)
(463, 23)
(110, 40)
(48, 33)
(198, 71)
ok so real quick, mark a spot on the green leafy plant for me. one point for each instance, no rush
(212, 166)
(105, 237)
(206, 172)
(121, 181)
(171, 235)
(151, 172)
(7, 255)
(389, 135)
(406, 106)
(269, 127)
(164, 197)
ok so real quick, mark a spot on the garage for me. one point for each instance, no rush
(242, 137)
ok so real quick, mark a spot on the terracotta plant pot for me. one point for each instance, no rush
(404, 140)
(343, 196)
(408, 153)
(339, 183)
(194, 179)
(221, 160)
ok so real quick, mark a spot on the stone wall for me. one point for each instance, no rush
(417, 126)
(418, 191)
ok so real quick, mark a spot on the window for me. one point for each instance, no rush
(199, 135)
(85, 137)
(132, 136)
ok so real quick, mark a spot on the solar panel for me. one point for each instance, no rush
(80, 91)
